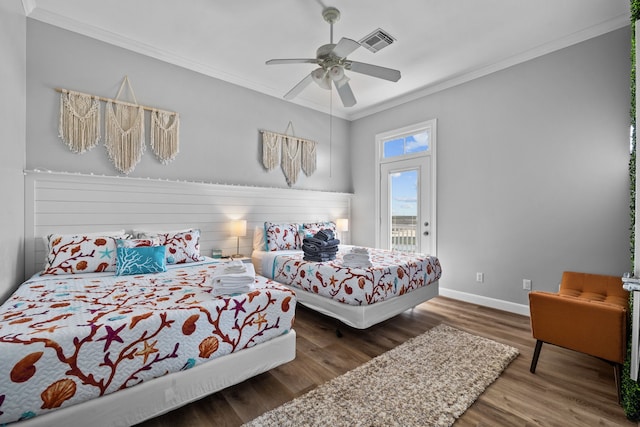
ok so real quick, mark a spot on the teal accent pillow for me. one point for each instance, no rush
(140, 260)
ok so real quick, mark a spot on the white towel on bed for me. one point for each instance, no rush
(357, 258)
(233, 277)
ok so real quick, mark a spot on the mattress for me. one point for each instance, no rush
(69, 339)
(392, 274)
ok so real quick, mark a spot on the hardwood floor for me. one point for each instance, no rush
(568, 389)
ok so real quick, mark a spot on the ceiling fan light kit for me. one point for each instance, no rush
(332, 61)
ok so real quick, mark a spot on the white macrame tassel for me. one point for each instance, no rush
(270, 149)
(79, 126)
(164, 138)
(291, 157)
(124, 135)
(308, 157)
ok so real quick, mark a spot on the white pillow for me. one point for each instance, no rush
(259, 243)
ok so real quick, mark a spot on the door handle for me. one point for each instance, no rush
(426, 224)
(426, 233)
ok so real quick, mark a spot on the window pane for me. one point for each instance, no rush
(404, 210)
(408, 144)
(417, 143)
(393, 148)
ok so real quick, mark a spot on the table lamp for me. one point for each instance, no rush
(238, 229)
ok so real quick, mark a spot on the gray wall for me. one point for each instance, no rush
(532, 170)
(12, 134)
(220, 122)
(532, 160)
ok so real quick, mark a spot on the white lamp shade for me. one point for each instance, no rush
(336, 72)
(239, 228)
(321, 78)
(342, 224)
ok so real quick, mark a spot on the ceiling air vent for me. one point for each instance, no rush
(377, 40)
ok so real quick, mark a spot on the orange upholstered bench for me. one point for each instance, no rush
(588, 314)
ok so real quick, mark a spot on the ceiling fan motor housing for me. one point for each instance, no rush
(331, 14)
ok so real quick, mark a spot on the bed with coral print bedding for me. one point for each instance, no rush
(358, 297)
(392, 274)
(72, 338)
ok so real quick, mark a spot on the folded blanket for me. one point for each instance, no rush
(313, 249)
(325, 235)
(320, 242)
(357, 258)
(233, 274)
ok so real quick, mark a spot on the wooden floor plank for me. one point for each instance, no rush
(568, 388)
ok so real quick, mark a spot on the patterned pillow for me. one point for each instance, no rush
(140, 260)
(80, 253)
(282, 237)
(309, 229)
(182, 247)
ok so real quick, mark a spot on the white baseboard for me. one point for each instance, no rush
(486, 301)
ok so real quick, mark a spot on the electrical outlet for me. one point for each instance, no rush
(479, 277)
(526, 284)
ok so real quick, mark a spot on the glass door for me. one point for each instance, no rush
(405, 205)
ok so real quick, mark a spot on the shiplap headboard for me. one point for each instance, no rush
(70, 203)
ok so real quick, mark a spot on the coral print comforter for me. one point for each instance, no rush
(391, 274)
(68, 339)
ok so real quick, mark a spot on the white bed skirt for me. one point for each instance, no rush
(160, 395)
(364, 316)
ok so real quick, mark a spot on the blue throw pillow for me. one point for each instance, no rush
(140, 260)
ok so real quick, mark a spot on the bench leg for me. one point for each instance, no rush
(536, 354)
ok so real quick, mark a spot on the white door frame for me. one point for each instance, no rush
(433, 185)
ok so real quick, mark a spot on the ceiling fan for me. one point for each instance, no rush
(332, 61)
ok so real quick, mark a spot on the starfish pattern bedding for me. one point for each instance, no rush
(67, 339)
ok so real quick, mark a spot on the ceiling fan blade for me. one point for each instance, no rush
(373, 70)
(344, 47)
(292, 61)
(299, 87)
(346, 94)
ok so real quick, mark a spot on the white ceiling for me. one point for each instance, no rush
(440, 43)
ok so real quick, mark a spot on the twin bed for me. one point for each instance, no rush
(152, 337)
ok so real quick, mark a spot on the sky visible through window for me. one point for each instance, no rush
(404, 189)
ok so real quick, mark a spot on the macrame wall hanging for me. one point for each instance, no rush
(165, 131)
(270, 149)
(309, 157)
(291, 159)
(79, 125)
(295, 153)
(124, 131)
(124, 127)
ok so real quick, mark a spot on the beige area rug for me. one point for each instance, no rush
(429, 380)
